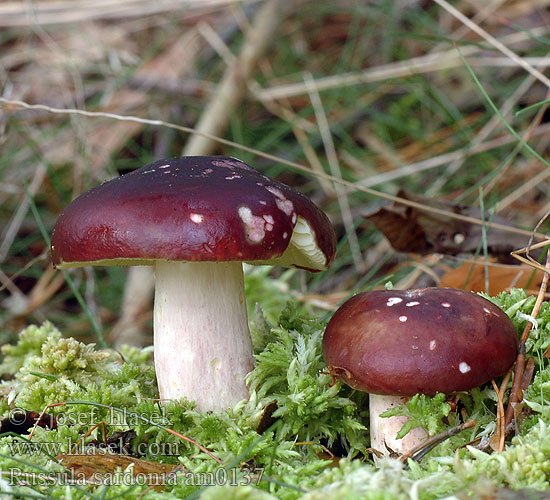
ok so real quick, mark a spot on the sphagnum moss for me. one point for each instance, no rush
(313, 419)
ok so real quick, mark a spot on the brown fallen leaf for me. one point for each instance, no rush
(100, 467)
(267, 419)
(22, 421)
(413, 230)
(502, 277)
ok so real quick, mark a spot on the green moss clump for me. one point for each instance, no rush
(286, 455)
(29, 344)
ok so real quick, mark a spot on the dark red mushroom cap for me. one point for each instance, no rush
(419, 341)
(198, 208)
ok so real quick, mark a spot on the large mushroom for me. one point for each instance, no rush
(395, 344)
(196, 219)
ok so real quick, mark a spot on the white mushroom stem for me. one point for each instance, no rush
(203, 349)
(383, 431)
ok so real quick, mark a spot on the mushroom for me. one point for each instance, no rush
(196, 219)
(395, 344)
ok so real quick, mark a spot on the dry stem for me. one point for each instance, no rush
(516, 394)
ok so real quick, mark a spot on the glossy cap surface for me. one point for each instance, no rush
(201, 208)
(419, 341)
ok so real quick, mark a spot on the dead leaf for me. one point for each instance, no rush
(413, 230)
(100, 467)
(22, 421)
(267, 419)
(502, 277)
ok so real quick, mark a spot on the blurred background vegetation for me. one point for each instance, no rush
(387, 95)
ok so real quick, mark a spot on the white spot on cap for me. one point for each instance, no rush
(445, 304)
(433, 343)
(164, 166)
(403, 319)
(230, 163)
(262, 202)
(285, 235)
(393, 300)
(412, 304)
(232, 177)
(294, 218)
(269, 222)
(254, 225)
(282, 203)
(487, 310)
(149, 171)
(197, 218)
(166, 171)
(464, 367)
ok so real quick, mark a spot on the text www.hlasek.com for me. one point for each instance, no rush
(53, 448)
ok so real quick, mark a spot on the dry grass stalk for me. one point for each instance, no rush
(20, 14)
(413, 66)
(332, 158)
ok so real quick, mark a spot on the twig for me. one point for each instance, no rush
(516, 394)
(216, 42)
(478, 18)
(528, 260)
(501, 426)
(422, 449)
(493, 41)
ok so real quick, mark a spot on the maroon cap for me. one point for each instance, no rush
(419, 341)
(197, 208)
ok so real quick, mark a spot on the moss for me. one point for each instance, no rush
(290, 450)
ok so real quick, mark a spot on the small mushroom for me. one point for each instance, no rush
(196, 219)
(395, 344)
